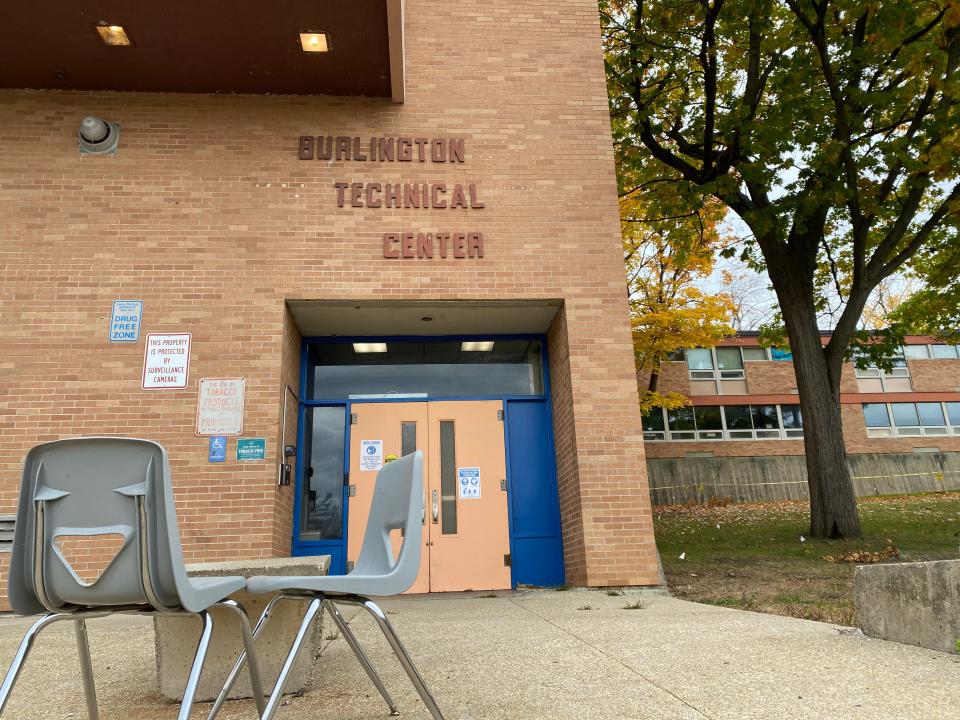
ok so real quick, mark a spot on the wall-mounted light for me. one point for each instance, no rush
(369, 347)
(476, 345)
(98, 136)
(113, 35)
(314, 42)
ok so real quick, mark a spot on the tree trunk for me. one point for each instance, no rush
(654, 379)
(833, 506)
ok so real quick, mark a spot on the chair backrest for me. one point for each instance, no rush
(89, 487)
(397, 505)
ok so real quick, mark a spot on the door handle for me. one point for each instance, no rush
(423, 515)
(436, 506)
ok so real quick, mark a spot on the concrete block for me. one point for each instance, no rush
(913, 603)
(176, 637)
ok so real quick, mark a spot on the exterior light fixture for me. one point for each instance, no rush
(113, 34)
(314, 42)
(98, 136)
(369, 347)
(476, 345)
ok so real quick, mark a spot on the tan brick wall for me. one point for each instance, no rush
(674, 376)
(774, 377)
(207, 216)
(289, 392)
(725, 448)
(4, 571)
(565, 440)
(935, 375)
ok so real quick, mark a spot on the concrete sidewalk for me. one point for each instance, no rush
(539, 654)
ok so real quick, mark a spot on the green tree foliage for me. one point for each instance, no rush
(935, 309)
(830, 127)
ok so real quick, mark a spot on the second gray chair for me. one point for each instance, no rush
(107, 486)
(397, 505)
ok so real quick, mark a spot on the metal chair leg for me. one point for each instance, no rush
(403, 657)
(361, 656)
(277, 694)
(193, 679)
(10, 679)
(250, 651)
(238, 665)
(86, 668)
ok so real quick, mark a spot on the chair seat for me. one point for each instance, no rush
(351, 584)
(205, 590)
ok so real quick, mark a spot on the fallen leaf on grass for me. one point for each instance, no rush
(864, 556)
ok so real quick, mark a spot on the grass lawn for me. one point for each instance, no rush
(752, 556)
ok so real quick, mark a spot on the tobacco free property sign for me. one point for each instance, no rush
(249, 449)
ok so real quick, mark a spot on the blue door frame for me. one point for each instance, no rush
(533, 502)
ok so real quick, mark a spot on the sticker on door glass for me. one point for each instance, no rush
(469, 480)
(371, 454)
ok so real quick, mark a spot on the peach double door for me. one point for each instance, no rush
(466, 537)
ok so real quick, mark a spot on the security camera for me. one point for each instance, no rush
(98, 136)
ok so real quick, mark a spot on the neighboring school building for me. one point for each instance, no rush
(298, 239)
(742, 435)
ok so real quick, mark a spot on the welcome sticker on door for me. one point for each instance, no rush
(371, 454)
(469, 481)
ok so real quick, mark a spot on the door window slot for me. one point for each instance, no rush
(448, 478)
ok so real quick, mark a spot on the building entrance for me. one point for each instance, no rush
(466, 538)
(479, 409)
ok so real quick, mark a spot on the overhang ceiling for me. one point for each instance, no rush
(206, 46)
(383, 318)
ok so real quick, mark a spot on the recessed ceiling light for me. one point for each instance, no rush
(314, 42)
(113, 35)
(369, 347)
(477, 345)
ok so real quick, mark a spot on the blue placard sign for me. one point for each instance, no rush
(218, 448)
(251, 449)
(125, 320)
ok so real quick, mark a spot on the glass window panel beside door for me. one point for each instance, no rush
(321, 502)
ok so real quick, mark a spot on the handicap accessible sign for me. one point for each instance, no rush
(251, 449)
(469, 481)
(125, 320)
(218, 449)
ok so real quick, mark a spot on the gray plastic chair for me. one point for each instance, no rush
(96, 486)
(397, 505)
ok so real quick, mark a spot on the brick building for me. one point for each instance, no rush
(341, 231)
(742, 435)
